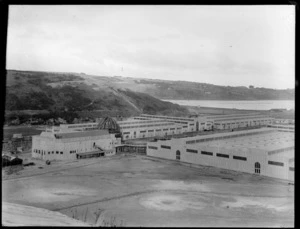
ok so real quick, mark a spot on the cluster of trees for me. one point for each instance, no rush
(52, 118)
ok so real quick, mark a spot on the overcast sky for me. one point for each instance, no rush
(222, 45)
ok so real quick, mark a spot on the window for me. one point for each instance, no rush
(191, 151)
(126, 133)
(152, 147)
(150, 130)
(257, 168)
(222, 155)
(165, 147)
(275, 163)
(165, 129)
(61, 152)
(52, 152)
(292, 169)
(57, 152)
(207, 153)
(143, 131)
(240, 158)
(158, 130)
(48, 152)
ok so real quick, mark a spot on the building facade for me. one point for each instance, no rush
(134, 128)
(193, 124)
(55, 145)
(266, 151)
(233, 121)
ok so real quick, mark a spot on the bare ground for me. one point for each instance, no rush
(138, 190)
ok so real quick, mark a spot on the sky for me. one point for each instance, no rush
(221, 45)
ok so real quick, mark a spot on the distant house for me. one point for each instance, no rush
(60, 120)
(17, 136)
(9, 160)
(15, 122)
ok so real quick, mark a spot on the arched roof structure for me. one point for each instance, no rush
(109, 124)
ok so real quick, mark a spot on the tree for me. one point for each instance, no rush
(251, 86)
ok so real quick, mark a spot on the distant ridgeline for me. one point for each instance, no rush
(60, 93)
(85, 94)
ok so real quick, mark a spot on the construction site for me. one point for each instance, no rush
(96, 178)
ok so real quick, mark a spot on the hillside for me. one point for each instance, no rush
(21, 215)
(76, 93)
(82, 95)
(200, 91)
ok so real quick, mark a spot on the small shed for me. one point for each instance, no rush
(9, 160)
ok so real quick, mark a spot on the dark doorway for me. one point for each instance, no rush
(177, 155)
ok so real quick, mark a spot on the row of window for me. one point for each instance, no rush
(202, 152)
(234, 115)
(140, 126)
(253, 118)
(44, 152)
(138, 122)
(85, 125)
(53, 152)
(238, 124)
(169, 118)
(221, 155)
(225, 137)
(144, 131)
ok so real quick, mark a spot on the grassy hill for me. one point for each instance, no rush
(201, 91)
(81, 95)
(73, 93)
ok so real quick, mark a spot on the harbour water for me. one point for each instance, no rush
(239, 104)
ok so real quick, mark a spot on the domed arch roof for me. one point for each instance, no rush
(110, 124)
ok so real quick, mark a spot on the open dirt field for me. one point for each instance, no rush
(138, 190)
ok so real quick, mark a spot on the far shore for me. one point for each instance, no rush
(197, 110)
